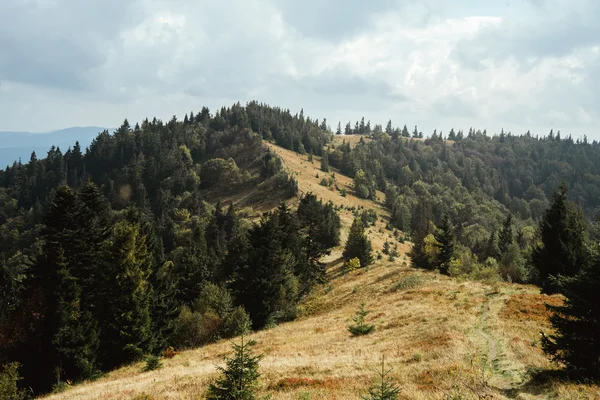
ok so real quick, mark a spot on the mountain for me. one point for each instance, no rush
(20, 145)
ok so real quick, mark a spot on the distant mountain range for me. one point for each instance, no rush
(15, 145)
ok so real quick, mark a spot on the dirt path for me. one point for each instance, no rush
(490, 359)
(495, 369)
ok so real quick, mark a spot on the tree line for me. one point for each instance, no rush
(113, 253)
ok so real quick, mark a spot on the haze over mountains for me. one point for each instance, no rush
(15, 145)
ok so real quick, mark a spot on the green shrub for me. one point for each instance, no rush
(9, 379)
(152, 363)
(188, 331)
(60, 387)
(408, 282)
(236, 323)
(352, 264)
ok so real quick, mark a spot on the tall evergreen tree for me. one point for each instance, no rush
(358, 244)
(562, 250)
(75, 339)
(577, 325)
(506, 237)
(325, 162)
(420, 228)
(126, 324)
(446, 240)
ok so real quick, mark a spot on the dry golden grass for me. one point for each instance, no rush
(441, 336)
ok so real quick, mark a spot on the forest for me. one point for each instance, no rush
(111, 253)
(124, 249)
(491, 190)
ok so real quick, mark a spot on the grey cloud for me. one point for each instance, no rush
(560, 29)
(454, 106)
(332, 19)
(58, 43)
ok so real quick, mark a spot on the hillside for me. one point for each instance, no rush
(444, 337)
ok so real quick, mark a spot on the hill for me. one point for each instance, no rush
(443, 337)
(20, 145)
(187, 232)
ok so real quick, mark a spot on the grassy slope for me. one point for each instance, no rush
(440, 335)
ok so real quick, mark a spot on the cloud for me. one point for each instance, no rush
(518, 65)
(57, 43)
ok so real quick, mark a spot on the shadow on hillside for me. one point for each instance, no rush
(335, 267)
(541, 381)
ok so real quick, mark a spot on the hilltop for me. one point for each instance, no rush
(442, 336)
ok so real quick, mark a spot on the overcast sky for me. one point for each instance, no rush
(512, 64)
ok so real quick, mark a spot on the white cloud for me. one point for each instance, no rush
(527, 64)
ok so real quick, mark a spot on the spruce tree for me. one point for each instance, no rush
(360, 327)
(239, 378)
(446, 240)
(126, 295)
(577, 325)
(325, 162)
(384, 388)
(421, 228)
(563, 235)
(358, 244)
(506, 237)
(76, 336)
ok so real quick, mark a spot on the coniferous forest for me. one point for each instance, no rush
(111, 253)
(124, 249)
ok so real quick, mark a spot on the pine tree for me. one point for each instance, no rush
(388, 128)
(384, 388)
(339, 129)
(577, 324)
(126, 324)
(239, 378)
(446, 240)
(360, 327)
(325, 162)
(506, 237)
(421, 228)
(76, 336)
(358, 244)
(563, 235)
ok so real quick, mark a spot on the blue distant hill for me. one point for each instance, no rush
(15, 145)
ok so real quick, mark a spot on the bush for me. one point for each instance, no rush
(60, 387)
(236, 323)
(360, 327)
(152, 363)
(169, 352)
(408, 282)
(214, 298)
(188, 330)
(9, 379)
(352, 264)
(213, 317)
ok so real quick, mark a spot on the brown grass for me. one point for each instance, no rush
(442, 337)
(529, 306)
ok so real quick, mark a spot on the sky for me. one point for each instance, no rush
(516, 65)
